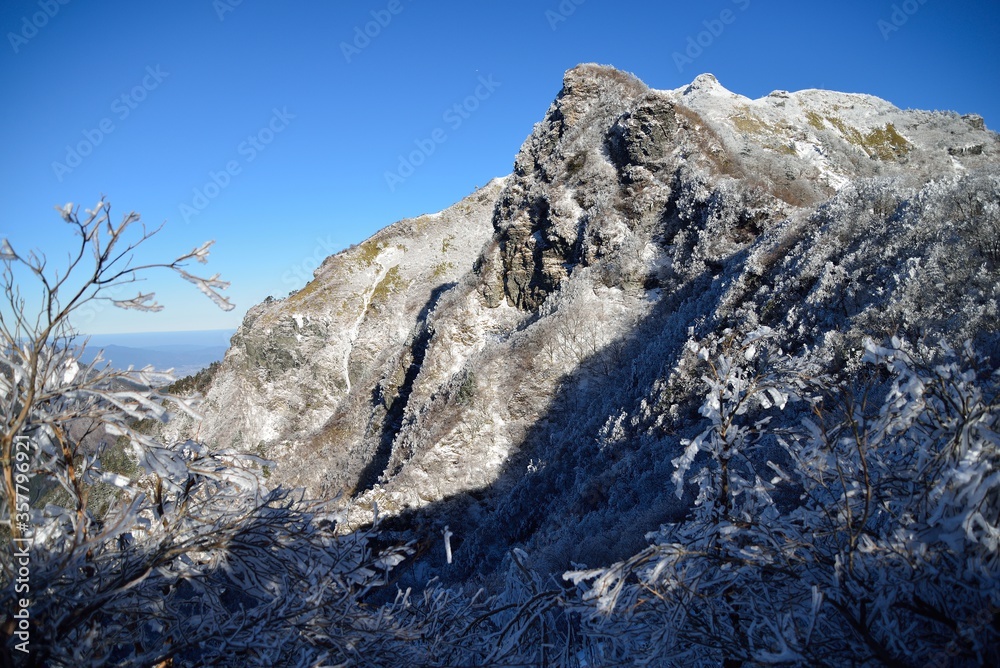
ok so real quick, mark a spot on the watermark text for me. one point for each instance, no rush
(364, 34)
(122, 107)
(30, 25)
(899, 17)
(223, 7)
(454, 117)
(247, 150)
(561, 14)
(22, 545)
(698, 44)
(302, 272)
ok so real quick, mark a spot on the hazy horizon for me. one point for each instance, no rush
(148, 339)
(186, 352)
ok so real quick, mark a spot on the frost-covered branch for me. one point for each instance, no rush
(889, 554)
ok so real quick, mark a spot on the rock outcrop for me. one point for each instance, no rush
(518, 366)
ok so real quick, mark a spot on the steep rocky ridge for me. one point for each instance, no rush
(349, 335)
(518, 367)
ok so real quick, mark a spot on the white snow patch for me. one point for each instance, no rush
(812, 152)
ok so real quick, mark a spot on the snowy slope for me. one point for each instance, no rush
(519, 367)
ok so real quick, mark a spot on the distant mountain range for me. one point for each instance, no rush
(184, 352)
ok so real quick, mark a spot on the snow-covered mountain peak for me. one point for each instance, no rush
(706, 86)
(519, 365)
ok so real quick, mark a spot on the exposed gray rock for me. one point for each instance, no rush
(519, 366)
(643, 137)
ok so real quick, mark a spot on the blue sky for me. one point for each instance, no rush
(271, 127)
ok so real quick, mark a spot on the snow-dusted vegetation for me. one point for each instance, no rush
(867, 532)
(705, 381)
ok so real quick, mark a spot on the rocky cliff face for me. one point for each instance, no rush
(518, 366)
(335, 362)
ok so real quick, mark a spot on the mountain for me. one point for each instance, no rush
(184, 352)
(184, 360)
(523, 368)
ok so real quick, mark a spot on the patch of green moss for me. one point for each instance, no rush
(364, 256)
(300, 297)
(815, 120)
(344, 308)
(446, 244)
(851, 134)
(882, 143)
(750, 124)
(441, 269)
(368, 252)
(467, 390)
(886, 143)
(390, 283)
(787, 149)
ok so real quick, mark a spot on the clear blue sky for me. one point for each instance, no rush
(200, 78)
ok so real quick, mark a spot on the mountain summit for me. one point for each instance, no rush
(522, 367)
